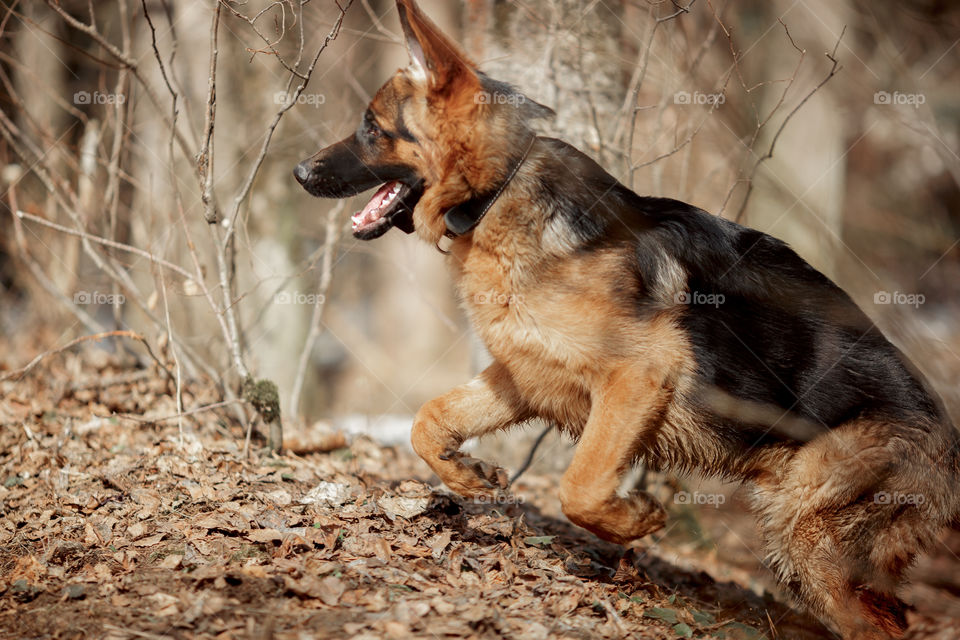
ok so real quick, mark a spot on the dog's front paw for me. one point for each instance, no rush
(471, 477)
(615, 519)
(648, 515)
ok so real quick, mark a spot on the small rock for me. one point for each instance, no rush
(23, 591)
(75, 592)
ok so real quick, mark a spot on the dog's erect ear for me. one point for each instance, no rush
(434, 57)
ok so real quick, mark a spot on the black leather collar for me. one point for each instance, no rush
(464, 218)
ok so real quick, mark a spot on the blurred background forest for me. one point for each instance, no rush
(146, 185)
(110, 141)
(146, 150)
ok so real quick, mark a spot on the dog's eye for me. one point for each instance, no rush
(373, 131)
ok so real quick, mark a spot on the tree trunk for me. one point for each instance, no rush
(565, 54)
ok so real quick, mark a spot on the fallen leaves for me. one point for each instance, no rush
(112, 529)
(328, 590)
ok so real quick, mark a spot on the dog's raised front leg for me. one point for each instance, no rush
(486, 404)
(628, 409)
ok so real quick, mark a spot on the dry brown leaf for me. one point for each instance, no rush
(102, 572)
(331, 494)
(136, 530)
(27, 568)
(171, 561)
(439, 543)
(382, 550)
(263, 535)
(149, 541)
(164, 604)
(405, 507)
(255, 571)
(277, 497)
(227, 522)
(396, 629)
(195, 491)
(441, 606)
(328, 590)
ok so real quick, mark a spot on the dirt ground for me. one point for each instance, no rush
(117, 522)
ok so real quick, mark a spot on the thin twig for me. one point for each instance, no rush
(106, 242)
(326, 275)
(179, 414)
(533, 450)
(271, 45)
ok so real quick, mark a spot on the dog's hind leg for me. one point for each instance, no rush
(831, 536)
(488, 403)
(625, 412)
(827, 578)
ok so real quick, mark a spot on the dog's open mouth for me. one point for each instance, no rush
(391, 206)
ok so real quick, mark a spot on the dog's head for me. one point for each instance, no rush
(438, 134)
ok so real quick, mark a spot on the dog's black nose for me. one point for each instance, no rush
(301, 173)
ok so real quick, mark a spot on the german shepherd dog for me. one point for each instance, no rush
(650, 330)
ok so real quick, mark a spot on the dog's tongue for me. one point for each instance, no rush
(377, 205)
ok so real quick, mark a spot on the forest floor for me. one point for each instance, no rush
(114, 523)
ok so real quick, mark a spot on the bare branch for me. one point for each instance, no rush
(109, 243)
(834, 69)
(326, 275)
